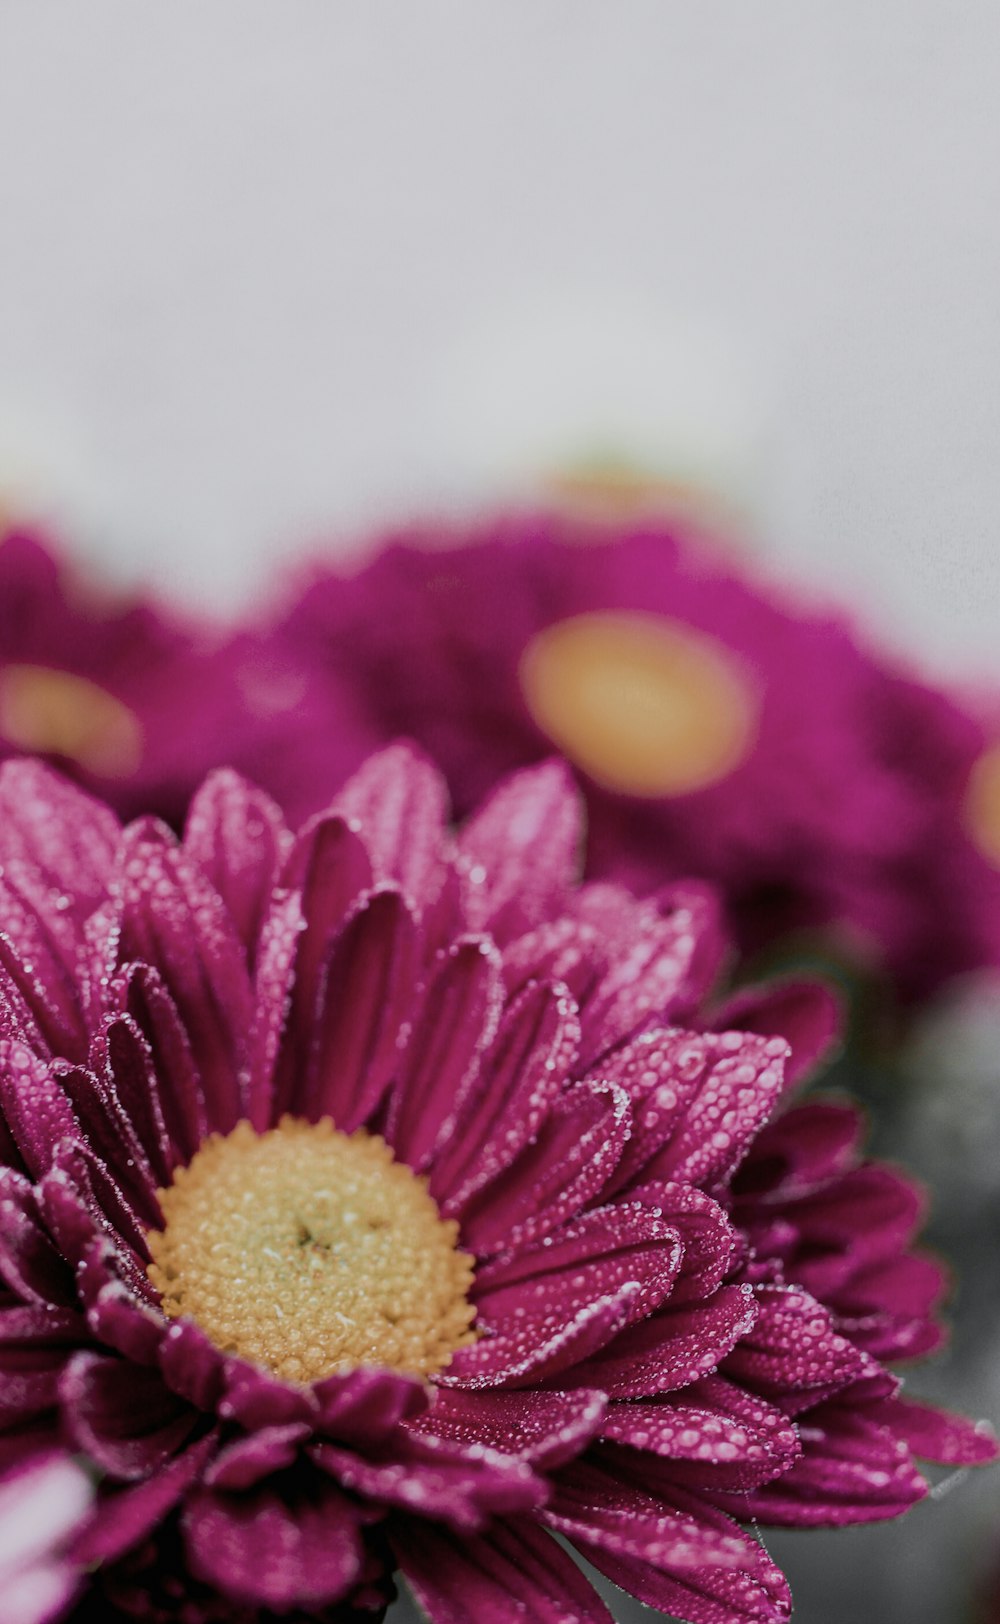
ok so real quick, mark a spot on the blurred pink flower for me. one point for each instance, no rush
(716, 729)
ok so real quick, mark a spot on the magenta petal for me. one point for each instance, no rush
(708, 1595)
(457, 1023)
(697, 1133)
(366, 1406)
(672, 1348)
(526, 1069)
(522, 851)
(50, 825)
(123, 1057)
(122, 1416)
(563, 1169)
(648, 981)
(796, 1152)
(554, 1304)
(173, 920)
(710, 1242)
(439, 1478)
(938, 1435)
(365, 1015)
(106, 1128)
(191, 1365)
(515, 1571)
(254, 1398)
(36, 1108)
(808, 1015)
(793, 1348)
(546, 1428)
(237, 836)
(39, 961)
(34, 1345)
(29, 1263)
(260, 1550)
(852, 1469)
(714, 1435)
(400, 803)
(115, 1315)
(164, 1061)
(124, 1517)
(242, 1463)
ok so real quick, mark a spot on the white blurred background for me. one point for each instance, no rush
(275, 271)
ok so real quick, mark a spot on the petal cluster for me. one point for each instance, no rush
(834, 793)
(683, 1291)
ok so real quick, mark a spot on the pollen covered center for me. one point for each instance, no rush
(310, 1251)
(643, 704)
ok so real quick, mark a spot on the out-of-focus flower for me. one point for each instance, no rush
(717, 730)
(44, 1498)
(380, 1198)
(137, 704)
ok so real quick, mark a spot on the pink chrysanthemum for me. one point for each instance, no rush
(716, 731)
(137, 704)
(378, 1199)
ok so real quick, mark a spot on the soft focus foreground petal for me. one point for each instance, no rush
(50, 826)
(522, 851)
(246, 1460)
(516, 1572)
(367, 1405)
(237, 836)
(267, 1551)
(43, 1499)
(546, 1428)
(938, 1435)
(123, 1517)
(795, 1153)
(439, 1478)
(400, 804)
(173, 920)
(122, 1416)
(809, 1016)
(34, 1345)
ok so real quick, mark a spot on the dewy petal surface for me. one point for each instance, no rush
(681, 1283)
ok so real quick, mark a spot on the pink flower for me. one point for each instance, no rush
(716, 729)
(137, 703)
(381, 1200)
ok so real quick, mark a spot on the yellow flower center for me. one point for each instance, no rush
(608, 484)
(643, 704)
(56, 712)
(982, 804)
(311, 1251)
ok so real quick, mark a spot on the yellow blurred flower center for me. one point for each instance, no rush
(982, 804)
(311, 1251)
(614, 485)
(59, 713)
(643, 704)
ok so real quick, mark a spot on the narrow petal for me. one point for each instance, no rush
(809, 1015)
(49, 825)
(516, 1571)
(671, 1348)
(852, 1469)
(938, 1435)
(124, 1517)
(29, 1263)
(458, 1021)
(522, 851)
(400, 803)
(367, 1405)
(714, 1435)
(245, 1461)
(237, 836)
(37, 1111)
(440, 1478)
(546, 1428)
